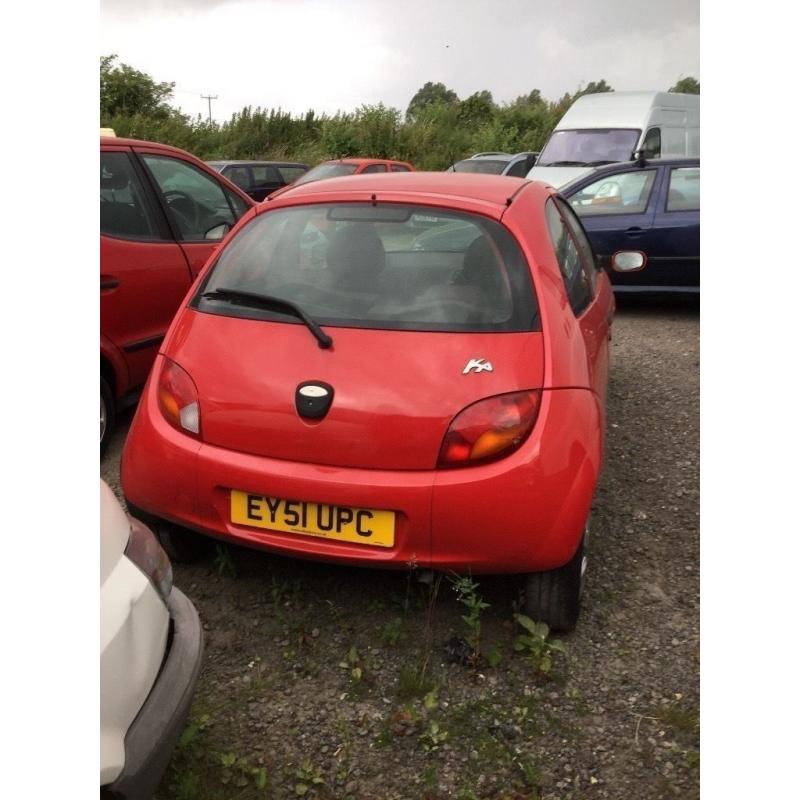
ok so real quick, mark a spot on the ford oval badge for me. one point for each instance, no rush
(313, 399)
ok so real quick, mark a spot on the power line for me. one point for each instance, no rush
(209, 97)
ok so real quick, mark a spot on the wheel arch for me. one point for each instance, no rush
(113, 368)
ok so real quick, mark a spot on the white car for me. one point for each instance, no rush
(151, 644)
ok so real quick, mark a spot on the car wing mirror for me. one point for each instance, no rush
(628, 261)
(218, 232)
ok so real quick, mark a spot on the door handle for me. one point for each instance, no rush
(634, 232)
(107, 283)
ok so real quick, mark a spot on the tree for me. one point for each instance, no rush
(593, 87)
(533, 98)
(687, 85)
(430, 94)
(124, 91)
(377, 128)
(478, 108)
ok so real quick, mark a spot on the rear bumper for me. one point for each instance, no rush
(153, 734)
(523, 513)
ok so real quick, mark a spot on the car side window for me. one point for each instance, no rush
(237, 204)
(625, 193)
(124, 212)
(194, 201)
(588, 259)
(238, 175)
(265, 176)
(374, 168)
(577, 283)
(684, 189)
(400, 168)
(519, 170)
(651, 146)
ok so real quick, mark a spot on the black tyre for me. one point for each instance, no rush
(107, 414)
(554, 597)
(181, 545)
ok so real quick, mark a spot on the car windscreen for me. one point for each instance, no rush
(591, 146)
(360, 265)
(333, 170)
(484, 166)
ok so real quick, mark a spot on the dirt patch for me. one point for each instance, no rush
(332, 682)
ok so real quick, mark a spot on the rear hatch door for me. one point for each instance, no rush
(395, 392)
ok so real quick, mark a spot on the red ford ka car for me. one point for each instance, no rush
(334, 390)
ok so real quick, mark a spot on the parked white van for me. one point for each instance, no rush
(614, 126)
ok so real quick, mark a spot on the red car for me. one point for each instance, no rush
(162, 213)
(333, 390)
(347, 166)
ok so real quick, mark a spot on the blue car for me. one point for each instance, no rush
(652, 206)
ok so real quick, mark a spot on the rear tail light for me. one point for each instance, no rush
(177, 399)
(145, 551)
(489, 429)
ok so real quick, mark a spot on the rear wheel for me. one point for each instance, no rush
(554, 597)
(181, 545)
(107, 414)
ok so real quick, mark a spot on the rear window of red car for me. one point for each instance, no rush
(332, 169)
(388, 266)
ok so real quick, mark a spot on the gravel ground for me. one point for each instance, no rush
(332, 682)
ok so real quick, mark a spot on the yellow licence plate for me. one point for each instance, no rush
(345, 524)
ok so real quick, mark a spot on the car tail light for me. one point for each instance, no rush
(145, 551)
(177, 399)
(489, 429)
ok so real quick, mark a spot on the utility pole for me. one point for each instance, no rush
(209, 97)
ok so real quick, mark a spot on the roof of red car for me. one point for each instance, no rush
(358, 160)
(495, 189)
(118, 140)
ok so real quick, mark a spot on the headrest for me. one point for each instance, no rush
(355, 255)
(113, 180)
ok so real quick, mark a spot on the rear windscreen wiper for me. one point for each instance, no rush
(239, 297)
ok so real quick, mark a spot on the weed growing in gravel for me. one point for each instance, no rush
(467, 594)
(433, 585)
(358, 677)
(494, 657)
(284, 592)
(353, 663)
(536, 645)
(433, 738)
(413, 683)
(531, 774)
(237, 770)
(392, 632)
(429, 776)
(185, 774)
(308, 776)
(223, 562)
(679, 716)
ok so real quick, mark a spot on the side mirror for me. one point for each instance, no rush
(628, 261)
(639, 157)
(218, 231)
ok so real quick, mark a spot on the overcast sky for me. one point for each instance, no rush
(337, 54)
